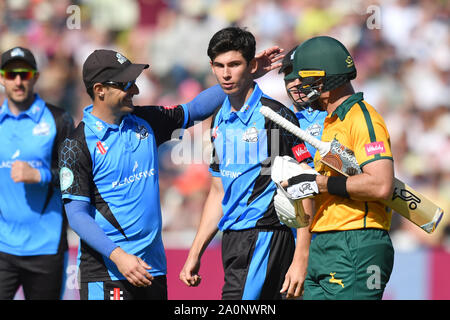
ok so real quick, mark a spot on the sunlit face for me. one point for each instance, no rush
(233, 73)
(119, 100)
(293, 91)
(19, 89)
(301, 91)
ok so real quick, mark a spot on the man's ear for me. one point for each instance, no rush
(253, 65)
(99, 91)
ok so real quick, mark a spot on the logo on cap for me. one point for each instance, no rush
(120, 58)
(349, 62)
(17, 52)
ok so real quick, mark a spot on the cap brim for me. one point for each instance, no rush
(130, 73)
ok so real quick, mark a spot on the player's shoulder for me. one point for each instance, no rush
(58, 113)
(78, 133)
(75, 145)
(363, 111)
(276, 105)
(279, 108)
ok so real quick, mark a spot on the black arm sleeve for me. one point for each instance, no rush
(163, 120)
(64, 127)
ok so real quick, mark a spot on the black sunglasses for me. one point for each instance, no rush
(124, 86)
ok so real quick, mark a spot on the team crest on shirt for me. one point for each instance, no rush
(41, 129)
(141, 132)
(314, 129)
(250, 135)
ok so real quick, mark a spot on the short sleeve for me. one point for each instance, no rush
(75, 170)
(370, 137)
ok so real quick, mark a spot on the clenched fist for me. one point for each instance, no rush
(21, 171)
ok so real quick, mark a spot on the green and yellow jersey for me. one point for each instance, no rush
(358, 126)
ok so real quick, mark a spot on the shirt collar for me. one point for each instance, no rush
(342, 110)
(247, 109)
(100, 127)
(35, 111)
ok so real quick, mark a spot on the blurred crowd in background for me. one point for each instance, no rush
(401, 50)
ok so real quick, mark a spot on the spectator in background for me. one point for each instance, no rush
(33, 242)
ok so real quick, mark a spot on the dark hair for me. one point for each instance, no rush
(90, 92)
(232, 38)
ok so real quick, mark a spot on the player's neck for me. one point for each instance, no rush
(237, 101)
(106, 114)
(18, 107)
(338, 96)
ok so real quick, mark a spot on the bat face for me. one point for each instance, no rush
(406, 196)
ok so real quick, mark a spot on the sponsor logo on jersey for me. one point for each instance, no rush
(375, 148)
(65, 178)
(230, 174)
(41, 129)
(214, 133)
(116, 294)
(170, 107)
(101, 147)
(33, 163)
(16, 154)
(134, 177)
(301, 152)
(250, 135)
(99, 126)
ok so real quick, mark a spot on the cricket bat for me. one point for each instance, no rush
(405, 200)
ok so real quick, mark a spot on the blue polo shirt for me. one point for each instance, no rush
(115, 169)
(31, 221)
(312, 122)
(244, 146)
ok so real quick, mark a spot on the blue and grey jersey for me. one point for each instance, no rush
(115, 169)
(31, 215)
(245, 144)
(312, 122)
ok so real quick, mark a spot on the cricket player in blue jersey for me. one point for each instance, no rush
(309, 119)
(109, 180)
(259, 255)
(33, 241)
